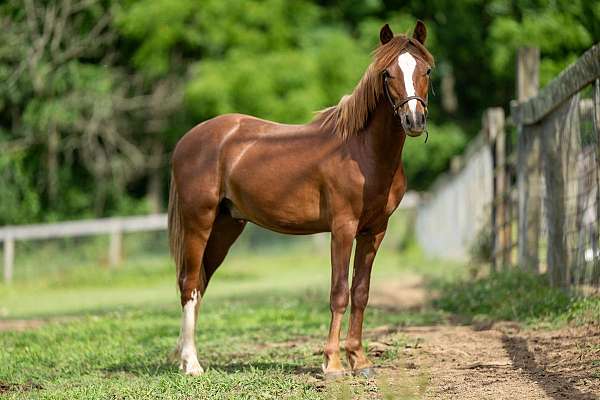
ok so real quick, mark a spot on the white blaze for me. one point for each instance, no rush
(407, 64)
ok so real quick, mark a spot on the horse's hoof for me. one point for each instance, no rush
(368, 372)
(334, 375)
(191, 369)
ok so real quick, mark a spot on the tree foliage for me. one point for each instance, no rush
(95, 93)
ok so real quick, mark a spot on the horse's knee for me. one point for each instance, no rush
(339, 299)
(360, 300)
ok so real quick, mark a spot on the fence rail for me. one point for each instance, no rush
(115, 227)
(570, 81)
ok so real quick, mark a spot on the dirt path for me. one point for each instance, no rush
(501, 361)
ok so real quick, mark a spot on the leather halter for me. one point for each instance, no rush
(396, 106)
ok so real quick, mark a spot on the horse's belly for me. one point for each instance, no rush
(279, 210)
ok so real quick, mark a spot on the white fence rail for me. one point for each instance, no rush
(115, 227)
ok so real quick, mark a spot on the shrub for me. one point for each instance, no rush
(518, 296)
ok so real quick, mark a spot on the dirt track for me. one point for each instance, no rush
(500, 361)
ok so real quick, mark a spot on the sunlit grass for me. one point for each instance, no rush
(263, 323)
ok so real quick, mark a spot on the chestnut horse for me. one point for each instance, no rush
(341, 173)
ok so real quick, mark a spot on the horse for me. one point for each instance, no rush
(340, 173)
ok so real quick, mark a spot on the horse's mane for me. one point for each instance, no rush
(352, 112)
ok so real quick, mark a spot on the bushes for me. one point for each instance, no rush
(515, 295)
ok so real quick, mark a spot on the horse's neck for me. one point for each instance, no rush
(385, 137)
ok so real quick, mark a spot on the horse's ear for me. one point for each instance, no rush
(385, 34)
(420, 32)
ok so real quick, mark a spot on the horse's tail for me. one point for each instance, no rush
(176, 232)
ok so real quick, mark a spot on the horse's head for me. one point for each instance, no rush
(406, 79)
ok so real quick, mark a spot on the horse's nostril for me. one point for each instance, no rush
(407, 120)
(423, 119)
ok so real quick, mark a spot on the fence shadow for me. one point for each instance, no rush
(555, 385)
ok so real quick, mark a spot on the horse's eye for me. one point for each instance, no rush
(428, 71)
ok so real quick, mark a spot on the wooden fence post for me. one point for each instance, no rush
(493, 123)
(528, 161)
(596, 125)
(560, 146)
(9, 258)
(115, 249)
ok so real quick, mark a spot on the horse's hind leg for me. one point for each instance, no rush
(189, 232)
(191, 284)
(223, 232)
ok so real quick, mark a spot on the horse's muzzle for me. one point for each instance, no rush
(414, 123)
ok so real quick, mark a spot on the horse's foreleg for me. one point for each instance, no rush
(366, 248)
(341, 249)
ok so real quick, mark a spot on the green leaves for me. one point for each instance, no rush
(286, 85)
(558, 34)
(118, 82)
(21, 203)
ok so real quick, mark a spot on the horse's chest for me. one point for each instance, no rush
(380, 204)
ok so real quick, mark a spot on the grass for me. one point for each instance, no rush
(263, 323)
(517, 296)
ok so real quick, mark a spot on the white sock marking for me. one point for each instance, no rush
(407, 64)
(189, 358)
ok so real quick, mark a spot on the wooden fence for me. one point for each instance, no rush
(552, 176)
(456, 209)
(114, 227)
(544, 212)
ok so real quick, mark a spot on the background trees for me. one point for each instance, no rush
(95, 93)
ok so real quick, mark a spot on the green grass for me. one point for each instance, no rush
(518, 296)
(263, 323)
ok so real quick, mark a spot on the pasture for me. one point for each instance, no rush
(95, 333)
(260, 332)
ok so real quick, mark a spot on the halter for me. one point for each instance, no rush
(396, 106)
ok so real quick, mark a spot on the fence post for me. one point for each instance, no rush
(528, 161)
(493, 123)
(596, 125)
(9, 258)
(560, 142)
(115, 250)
